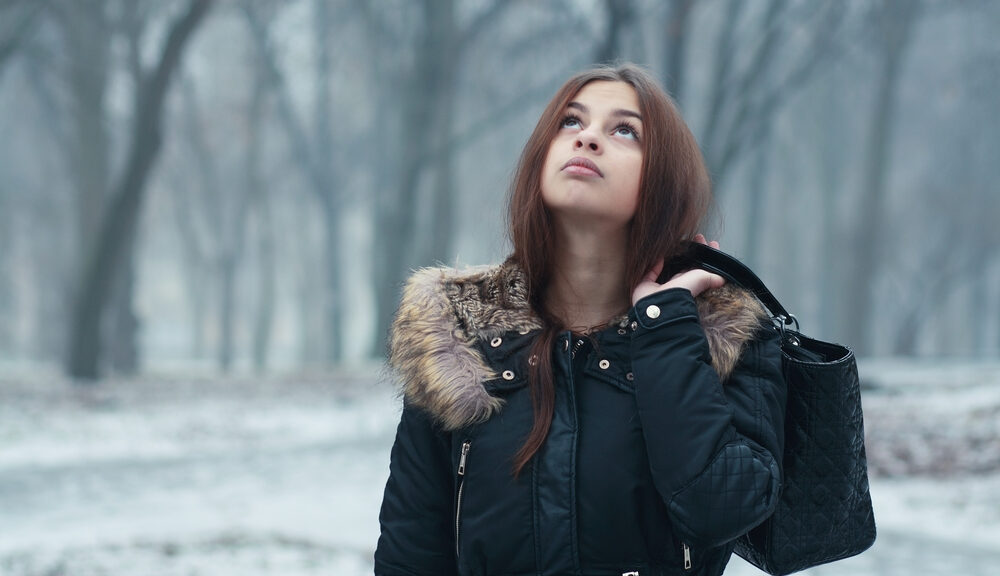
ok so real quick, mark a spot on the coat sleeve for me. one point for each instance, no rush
(714, 449)
(416, 521)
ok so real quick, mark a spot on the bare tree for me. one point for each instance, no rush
(896, 20)
(117, 225)
(194, 249)
(621, 18)
(675, 46)
(314, 153)
(51, 254)
(121, 322)
(87, 28)
(6, 266)
(426, 93)
(743, 98)
(21, 18)
(260, 201)
(215, 219)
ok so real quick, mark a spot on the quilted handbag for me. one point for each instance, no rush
(825, 511)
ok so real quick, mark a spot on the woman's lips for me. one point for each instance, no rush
(582, 167)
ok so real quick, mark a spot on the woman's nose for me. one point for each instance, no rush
(587, 139)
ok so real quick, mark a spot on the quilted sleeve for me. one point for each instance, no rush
(714, 449)
(416, 537)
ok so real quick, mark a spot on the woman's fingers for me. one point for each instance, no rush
(696, 281)
(700, 239)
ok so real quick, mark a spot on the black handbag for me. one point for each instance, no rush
(825, 511)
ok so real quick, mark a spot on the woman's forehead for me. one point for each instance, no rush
(606, 95)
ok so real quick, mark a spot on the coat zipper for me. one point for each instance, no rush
(576, 347)
(461, 486)
(687, 555)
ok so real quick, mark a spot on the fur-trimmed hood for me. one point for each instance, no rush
(444, 312)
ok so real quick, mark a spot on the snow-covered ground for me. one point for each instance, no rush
(207, 477)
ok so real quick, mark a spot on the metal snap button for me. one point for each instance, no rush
(604, 364)
(507, 375)
(496, 341)
(565, 345)
(621, 331)
(653, 311)
(523, 331)
(629, 377)
(634, 325)
(532, 360)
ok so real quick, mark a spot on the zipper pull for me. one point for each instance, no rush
(465, 454)
(687, 556)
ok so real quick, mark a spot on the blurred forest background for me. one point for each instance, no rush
(243, 185)
(210, 206)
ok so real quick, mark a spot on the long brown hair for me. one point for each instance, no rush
(674, 196)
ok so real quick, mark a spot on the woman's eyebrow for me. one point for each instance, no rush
(616, 112)
(628, 113)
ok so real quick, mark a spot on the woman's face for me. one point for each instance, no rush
(593, 167)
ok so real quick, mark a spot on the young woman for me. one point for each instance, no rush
(567, 412)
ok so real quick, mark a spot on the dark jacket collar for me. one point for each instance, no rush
(445, 311)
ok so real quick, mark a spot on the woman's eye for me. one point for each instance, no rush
(626, 131)
(570, 122)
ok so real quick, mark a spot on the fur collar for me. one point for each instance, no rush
(444, 312)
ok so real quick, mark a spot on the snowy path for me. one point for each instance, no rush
(279, 480)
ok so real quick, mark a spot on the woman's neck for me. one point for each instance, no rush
(587, 286)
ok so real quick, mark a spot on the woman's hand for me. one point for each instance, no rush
(696, 281)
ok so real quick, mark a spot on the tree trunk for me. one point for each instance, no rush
(232, 241)
(122, 323)
(831, 138)
(621, 15)
(327, 189)
(396, 209)
(385, 178)
(675, 47)
(720, 93)
(7, 255)
(106, 255)
(227, 316)
(88, 36)
(264, 320)
(265, 229)
(27, 19)
(896, 22)
(442, 60)
(316, 160)
(416, 97)
(757, 196)
(194, 259)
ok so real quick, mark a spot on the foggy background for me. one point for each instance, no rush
(207, 210)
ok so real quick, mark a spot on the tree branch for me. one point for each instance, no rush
(110, 249)
(21, 30)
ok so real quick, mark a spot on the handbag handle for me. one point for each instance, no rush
(718, 262)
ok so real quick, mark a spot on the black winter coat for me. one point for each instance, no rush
(664, 447)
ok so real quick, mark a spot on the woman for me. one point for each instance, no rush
(566, 412)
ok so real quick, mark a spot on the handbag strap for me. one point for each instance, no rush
(718, 262)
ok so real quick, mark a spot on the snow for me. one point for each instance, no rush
(168, 476)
